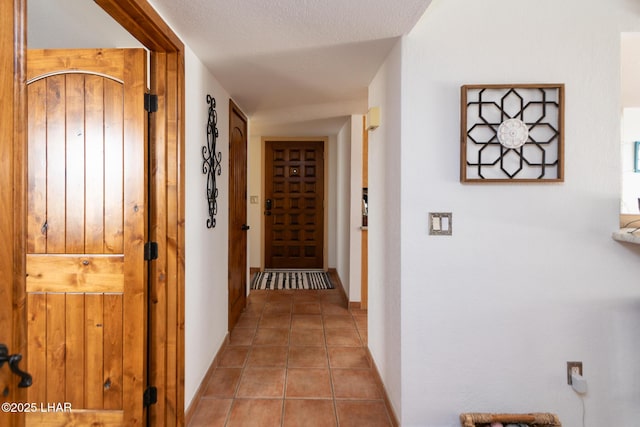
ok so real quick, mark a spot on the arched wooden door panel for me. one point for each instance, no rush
(86, 214)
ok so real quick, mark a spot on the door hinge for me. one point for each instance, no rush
(150, 396)
(150, 103)
(150, 251)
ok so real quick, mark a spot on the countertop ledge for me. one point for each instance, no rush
(624, 235)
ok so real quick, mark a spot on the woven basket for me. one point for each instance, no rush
(538, 419)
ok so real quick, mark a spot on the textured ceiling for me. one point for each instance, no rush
(294, 66)
(293, 63)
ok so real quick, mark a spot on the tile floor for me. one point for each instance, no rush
(295, 358)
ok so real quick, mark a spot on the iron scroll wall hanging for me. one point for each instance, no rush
(211, 166)
(512, 133)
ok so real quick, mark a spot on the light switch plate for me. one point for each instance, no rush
(440, 223)
(253, 200)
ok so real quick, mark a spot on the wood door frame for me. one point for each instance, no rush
(167, 224)
(325, 237)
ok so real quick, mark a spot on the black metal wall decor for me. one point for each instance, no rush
(512, 133)
(211, 165)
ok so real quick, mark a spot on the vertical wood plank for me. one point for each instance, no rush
(135, 170)
(8, 126)
(175, 178)
(74, 382)
(113, 185)
(37, 168)
(18, 207)
(75, 163)
(56, 335)
(113, 355)
(37, 346)
(157, 205)
(56, 163)
(94, 106)
(178, 80)
(93, 351)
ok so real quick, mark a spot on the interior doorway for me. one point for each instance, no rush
(294, 204)
(167, 225)
(86, 215)
(238, 139)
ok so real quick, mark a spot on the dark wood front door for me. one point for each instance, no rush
(86, 214)
(237, 213)
(294, 196)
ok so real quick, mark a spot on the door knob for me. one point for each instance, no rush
(13, 360)
(245, 227)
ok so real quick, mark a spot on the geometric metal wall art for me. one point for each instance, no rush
(211, 165)
(512, 133)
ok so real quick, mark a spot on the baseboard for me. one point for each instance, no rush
(188, 414)
(338, 283)
(354, 305)
(392, 414)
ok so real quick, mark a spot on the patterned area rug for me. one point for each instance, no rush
(288, 279)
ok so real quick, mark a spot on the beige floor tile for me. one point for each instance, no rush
(309, 337)
(307, 357)
(271, 336)
(306, 321)
(343, 337)
(223, 383)
(306, 308)
(256, 413)
(309, 413)
(234, 357)
(362, 413)
(308, 383)
(261, 383)
(268, 356)
(355, 384)
(296, 359)
(348, 357)
(211, 413)
(278, 308)
(279, 321)
(241, 336)
(338, 321)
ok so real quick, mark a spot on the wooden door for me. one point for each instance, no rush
(237, 213)
(294, 196)
(86, 215)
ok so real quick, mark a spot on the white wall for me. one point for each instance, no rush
(630, 75)
(385, 259)
(343, 189)
(355, 210)
(255, 188)
(206, 257)
(332, 153)
(530, 278)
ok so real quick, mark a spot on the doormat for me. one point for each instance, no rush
(286, 279)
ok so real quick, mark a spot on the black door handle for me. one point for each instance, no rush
(13, 360)
(245, 227)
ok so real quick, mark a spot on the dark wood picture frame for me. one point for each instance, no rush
(539, 106)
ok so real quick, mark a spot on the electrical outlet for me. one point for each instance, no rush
(573, 368)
